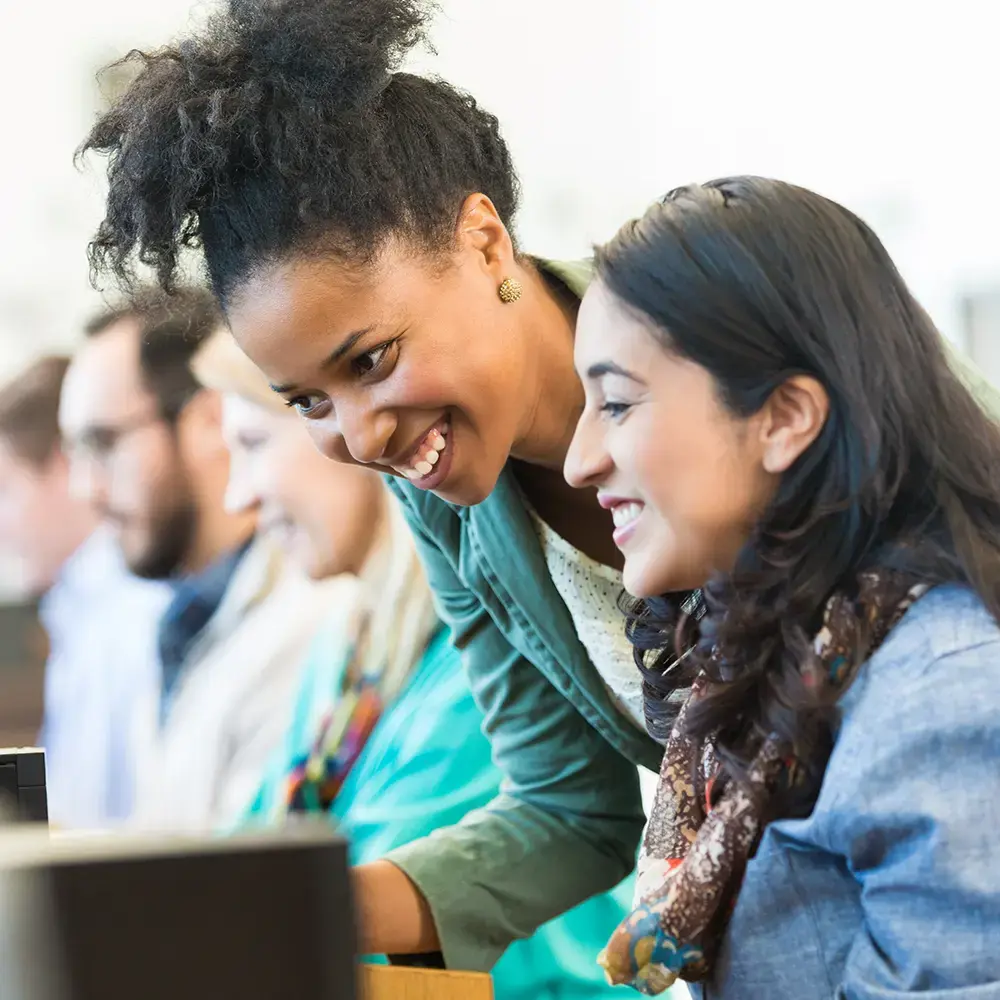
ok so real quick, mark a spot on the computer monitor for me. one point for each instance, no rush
(22, 785)
(256, 917)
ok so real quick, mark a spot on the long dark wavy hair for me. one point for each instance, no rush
(756, 281)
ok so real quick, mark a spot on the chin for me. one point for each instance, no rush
(642, 580)
(311, 561)
(463, 498)
(318, 571)
(314, 572)
(640, 590)
(466, 493)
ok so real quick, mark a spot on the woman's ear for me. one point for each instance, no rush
(480, 230)
(794, 416)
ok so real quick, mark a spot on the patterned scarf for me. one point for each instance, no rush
(388, 633)
(694, 852)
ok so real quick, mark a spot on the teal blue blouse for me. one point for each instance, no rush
(425, 766)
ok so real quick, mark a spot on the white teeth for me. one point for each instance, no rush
(433, 447)
(625, 513)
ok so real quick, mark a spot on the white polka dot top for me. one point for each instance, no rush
(590, 591)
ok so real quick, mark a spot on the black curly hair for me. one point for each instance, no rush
(285, 127)
(756, 281)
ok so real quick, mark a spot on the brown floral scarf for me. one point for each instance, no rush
(694, 851)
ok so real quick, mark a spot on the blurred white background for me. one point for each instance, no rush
(885, 105)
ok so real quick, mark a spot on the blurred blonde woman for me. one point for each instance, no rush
(385, 736)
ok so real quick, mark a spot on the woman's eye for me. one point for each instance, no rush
(250, 444)
(306, 404)
(615, 410)
(370, 361)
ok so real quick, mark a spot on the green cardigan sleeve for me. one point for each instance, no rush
(567, 822)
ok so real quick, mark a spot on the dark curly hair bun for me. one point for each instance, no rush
(285, 126)
(312, 50)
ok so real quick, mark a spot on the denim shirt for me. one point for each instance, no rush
(569, 817)
(892, 885)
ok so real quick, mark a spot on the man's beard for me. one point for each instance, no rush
(170, 540)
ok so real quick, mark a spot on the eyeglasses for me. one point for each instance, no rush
(98, 444)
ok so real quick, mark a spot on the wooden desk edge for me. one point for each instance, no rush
(381, 982)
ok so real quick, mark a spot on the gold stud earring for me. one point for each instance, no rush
(509, 290)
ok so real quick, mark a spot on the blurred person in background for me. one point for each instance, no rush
(386, 737)
(100, 620)
(356, 223)
(147, 452)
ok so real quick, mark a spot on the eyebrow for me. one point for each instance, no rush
(332, 358)
(602, 368)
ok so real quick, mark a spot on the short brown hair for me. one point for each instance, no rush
(29, 409)
(172, 327)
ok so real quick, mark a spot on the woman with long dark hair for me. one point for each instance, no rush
(808, 502)
(355, 222)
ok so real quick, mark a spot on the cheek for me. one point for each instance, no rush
(422, 383)
(461, 369)
(254, 478)
(24, 520)
(296, 473)
(241, 471)
(152, 479)
(130, 475)
(326, 439)
(706, 488)
(15, 504)
(278, 481)
(350, 506)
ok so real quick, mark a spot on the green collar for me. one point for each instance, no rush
(576, 275)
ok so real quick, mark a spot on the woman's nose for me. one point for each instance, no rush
(587, 461)
(241, 492)
(87, 480)
(361, 436)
